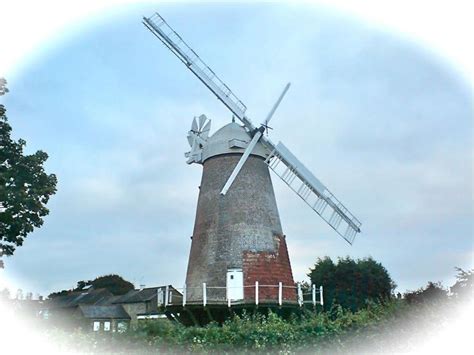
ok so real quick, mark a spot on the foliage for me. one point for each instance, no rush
(114, 283)
(352, 283)
(3, 88)
(432, 293)
(25, 188)
(464, 286)
(394, 324)
(59, 293)
(5, 294)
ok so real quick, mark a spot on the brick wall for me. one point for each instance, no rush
(269, 268)
(246, 218)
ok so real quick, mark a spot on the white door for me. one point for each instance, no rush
(160, 296)
(235, 284)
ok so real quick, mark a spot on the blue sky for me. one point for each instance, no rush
(382, 121)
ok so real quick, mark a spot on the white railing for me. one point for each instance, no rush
(312, 296)
(256, 293)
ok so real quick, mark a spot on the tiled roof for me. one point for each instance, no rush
(135, 296)
(143, 295)
(112, 299)
(97, 297)
(115, 311)
(104, 297)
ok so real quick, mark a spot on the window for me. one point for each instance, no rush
(106, 326)
(96, 326)
(122, 327)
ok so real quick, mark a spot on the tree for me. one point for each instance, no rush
(352, 283)
(114, 283)
(5, 294)
(82, 284)
(432, 293)
(25, 188)
(60, 293)
(3, 86)
(464, 286)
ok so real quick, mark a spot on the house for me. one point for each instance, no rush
(103, 318)
(100, 310)
(28, 308)
(146, 303)
(63, 310)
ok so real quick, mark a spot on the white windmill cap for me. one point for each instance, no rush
(232, 138)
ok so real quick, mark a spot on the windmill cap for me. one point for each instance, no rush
(231, 139)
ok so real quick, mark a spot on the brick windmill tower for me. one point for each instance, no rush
(237, 238)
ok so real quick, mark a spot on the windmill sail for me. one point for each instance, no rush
(160, 28)
(291, 171)
(313, 192)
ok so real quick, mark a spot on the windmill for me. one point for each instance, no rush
(197, 138)
(237, 239)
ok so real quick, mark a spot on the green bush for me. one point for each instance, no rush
(337, 331)
(262, 333)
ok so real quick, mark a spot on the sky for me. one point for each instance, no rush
(381, 117)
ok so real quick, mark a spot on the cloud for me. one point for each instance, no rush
(384, 124)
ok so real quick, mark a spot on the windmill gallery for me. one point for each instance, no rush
(238, 256)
